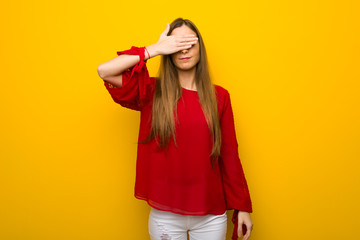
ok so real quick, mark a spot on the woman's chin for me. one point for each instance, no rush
(185, 67)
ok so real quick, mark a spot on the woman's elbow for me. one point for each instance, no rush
(100, 71)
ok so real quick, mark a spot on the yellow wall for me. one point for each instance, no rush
(68, 151)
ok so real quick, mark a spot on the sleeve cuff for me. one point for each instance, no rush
(135, 51)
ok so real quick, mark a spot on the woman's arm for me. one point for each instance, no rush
(111, 71)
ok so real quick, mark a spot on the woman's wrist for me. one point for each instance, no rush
(151, 50)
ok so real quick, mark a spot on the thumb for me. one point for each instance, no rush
(166, 29)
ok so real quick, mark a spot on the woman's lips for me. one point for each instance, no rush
(187, 58)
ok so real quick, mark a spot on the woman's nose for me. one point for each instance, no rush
(184, 50)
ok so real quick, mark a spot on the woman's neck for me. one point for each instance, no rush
(187, 79)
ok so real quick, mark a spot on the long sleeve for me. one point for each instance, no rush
(137, 86)
(235, 186)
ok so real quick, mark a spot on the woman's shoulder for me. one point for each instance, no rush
(222, 96)
(220, 91)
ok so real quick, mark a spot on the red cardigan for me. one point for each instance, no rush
(181, 179)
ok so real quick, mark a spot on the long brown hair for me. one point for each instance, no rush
(168, 91)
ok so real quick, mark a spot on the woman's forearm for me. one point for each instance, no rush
(119, 64)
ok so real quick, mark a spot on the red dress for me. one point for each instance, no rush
(181, 179)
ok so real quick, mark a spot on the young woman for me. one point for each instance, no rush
(188, 168)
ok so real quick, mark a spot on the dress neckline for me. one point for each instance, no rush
(195, 91)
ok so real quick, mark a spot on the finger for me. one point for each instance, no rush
(187, 35)
(184, 47)
(186, 44)
(188, 38)
(248, 232)
(239, 230)
(166, 29)
(182, 44)
(247, 235)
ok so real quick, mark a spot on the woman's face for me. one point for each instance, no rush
(188, 58)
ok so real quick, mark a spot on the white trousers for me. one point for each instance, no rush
(164, 225)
